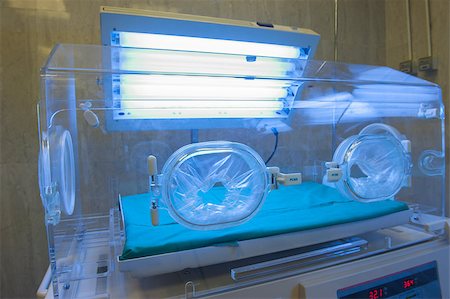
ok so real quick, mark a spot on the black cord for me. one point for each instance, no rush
(275, 132)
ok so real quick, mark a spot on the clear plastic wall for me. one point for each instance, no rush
(104, 110)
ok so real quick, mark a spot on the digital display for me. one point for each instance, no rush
(376, 293)
(419, 280)
(408, 283)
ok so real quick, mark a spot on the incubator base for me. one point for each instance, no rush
(315, 271)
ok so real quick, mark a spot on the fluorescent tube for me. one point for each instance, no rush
(201, 63)
(187, 43)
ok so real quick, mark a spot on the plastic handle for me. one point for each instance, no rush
(334, 174)
(154, 214)
(152, 165)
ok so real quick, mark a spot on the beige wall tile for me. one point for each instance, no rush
(18, 119)
(361, 37)
(23, 248)
(397, 46)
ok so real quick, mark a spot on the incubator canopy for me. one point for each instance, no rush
(219, 184)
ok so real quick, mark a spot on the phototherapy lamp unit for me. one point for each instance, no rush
(202, 157)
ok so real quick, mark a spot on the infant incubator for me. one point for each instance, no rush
(200, 157)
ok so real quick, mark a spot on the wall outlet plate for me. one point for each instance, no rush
(407, 67)
(427, 64)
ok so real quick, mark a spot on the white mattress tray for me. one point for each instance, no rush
(194, 258)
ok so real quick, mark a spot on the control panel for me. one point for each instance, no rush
(418, 282)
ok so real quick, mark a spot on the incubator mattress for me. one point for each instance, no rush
(286, 210)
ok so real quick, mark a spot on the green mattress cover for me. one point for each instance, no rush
(288, 209)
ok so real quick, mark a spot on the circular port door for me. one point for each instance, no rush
(67, 172)
(57, 168)
(214, 185)
(374, 166)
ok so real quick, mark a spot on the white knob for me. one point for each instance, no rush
(152, 165)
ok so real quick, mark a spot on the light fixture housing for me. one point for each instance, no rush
(200, 68)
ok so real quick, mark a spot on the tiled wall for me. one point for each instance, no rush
(30, 28)
(397, 45)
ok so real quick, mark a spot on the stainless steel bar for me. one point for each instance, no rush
(282, 264)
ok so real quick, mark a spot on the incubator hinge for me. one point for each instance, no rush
(286, 179)
(428, 111)
(431, 223)
(53, 204)
(333, 173)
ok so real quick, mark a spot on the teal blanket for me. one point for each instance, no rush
(288, 209)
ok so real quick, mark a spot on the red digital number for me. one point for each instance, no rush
(376, 294)
(408, 283)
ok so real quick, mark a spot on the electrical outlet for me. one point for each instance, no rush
(427, 64)
(407, 67)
